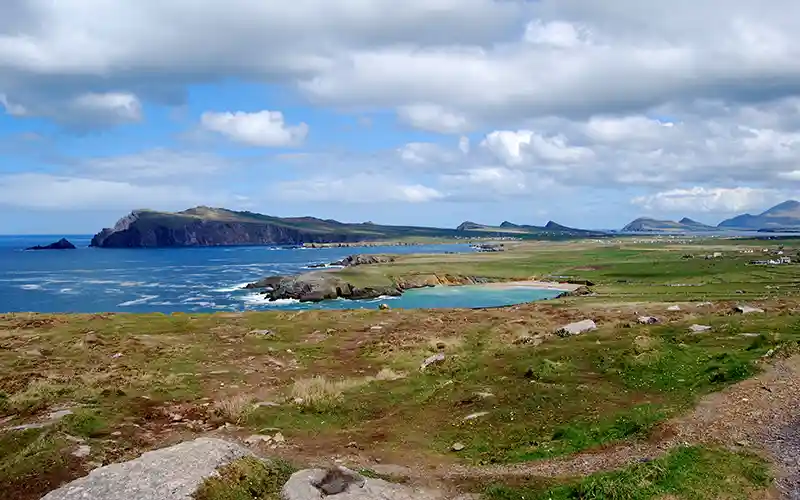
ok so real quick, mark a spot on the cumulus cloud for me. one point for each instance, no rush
(51, 192)
(83, 111)
(360, 188)
(478, 58)
(152, 164)
(713, 200)
(261, 129)
(433, 118)
(611, 95)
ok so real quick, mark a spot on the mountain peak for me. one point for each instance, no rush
(786, 206)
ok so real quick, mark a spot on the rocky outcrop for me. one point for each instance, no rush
(340, 483)
(363, 259)
(317, 286)
(173, 473)
(62, 244)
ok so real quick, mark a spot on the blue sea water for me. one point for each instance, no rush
(195, 279)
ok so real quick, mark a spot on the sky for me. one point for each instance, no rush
(426, 112)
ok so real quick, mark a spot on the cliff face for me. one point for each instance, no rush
(205, 226)
(209, 233)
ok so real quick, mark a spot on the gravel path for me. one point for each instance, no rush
(760, 414)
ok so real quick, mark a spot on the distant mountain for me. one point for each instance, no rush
(647, 225)
(470, 226)
(206, 226)
(785, 215)
(551, 229)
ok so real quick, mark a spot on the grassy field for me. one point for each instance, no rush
(348, 384)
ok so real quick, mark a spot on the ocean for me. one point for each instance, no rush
(205, 279)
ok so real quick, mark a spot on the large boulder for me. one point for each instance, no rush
(340, 483)
(173, 473)
(586, 325)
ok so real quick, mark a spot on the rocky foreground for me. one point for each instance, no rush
(178, 473)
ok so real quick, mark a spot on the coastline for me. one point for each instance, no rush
(536, 284)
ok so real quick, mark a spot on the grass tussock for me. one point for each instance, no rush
(319, 391)
(387, 374)
(234, 409)
(689, 472)
(247, 479)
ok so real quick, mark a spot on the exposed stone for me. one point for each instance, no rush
(82, 451)
(435, 359)
(458, 447)
(344, 484)
(648, 320)
(700, 328)
(262, 333)
(745, 309)
(383, 307)
(477, 415)
(258, 438)
(173, 473)
(576, 328)
(674, 308)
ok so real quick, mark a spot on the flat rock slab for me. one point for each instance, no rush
(744, 309)
(173, 473)
(301, 486)
(576, 328)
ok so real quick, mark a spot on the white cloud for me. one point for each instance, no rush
(463, 144)
(51, 192)
(433, 118)
(627, 128)
(426, 153)
(158, 163)
(488, 182)
(514, 147)
(262, 129)
(714, 200)
(360, 188)
(558, 34)
(482, 59)
(83, 111)
(120, 106)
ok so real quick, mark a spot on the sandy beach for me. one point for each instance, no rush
(539, 285)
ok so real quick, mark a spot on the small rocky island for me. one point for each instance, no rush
(62, 244)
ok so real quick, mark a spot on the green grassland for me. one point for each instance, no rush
(351, 379)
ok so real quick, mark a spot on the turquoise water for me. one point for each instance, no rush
(468, 296)
(194, 279)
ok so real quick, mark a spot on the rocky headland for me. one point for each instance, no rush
(316, 286)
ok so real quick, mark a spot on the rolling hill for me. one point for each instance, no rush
(646, 225)
(785, 215)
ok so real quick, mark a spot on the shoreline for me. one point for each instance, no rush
(535, 284)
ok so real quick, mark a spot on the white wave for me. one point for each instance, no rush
(132, 283)
(233, 288)
(100, 282)
(203, 304)
(31, 286)
(262, 300)
(66, 290)
(141, 300)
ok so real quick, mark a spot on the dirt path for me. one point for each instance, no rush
(762, 414)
